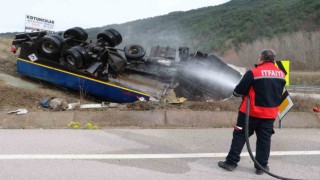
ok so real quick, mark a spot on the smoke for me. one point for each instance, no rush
(149, 34)
(163, 39)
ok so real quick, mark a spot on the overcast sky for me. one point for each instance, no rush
(90, 13)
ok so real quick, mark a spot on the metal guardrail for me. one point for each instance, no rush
(303, 88)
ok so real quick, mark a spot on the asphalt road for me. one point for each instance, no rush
(148, 154)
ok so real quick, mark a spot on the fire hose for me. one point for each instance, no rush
(249, 148)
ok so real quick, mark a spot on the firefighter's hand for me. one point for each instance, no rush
(226, 99)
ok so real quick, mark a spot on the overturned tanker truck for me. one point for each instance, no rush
(97, 67)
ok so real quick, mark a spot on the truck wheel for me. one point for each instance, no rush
(108, 37)
(117, 34)
(134, 52)
(76, 33)
(50, 45)
(72, 59)
(60, 38)
(84, 54)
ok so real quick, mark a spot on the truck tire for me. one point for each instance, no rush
(76, 33)
(117, 34)
(73, 59)
(85, 56)
(50, 45)
(108, 37)
(134, 52)
(59, 37)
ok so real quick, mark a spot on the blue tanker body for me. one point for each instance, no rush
(95, 87)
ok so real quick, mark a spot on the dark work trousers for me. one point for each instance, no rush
(263, 129)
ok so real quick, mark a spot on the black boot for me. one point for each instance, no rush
(260, 172)
(226, 166)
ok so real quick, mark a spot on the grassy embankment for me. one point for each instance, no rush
(7, 58)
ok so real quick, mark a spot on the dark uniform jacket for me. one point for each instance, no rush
(264, 84)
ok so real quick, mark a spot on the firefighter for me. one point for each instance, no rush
(264, 84)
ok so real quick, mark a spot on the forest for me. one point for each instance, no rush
(245, 26)
(222, 27)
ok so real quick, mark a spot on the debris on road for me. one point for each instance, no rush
(171, 98)
(316, 109)
(102, 105)
(55, 103)
(74, 105)
(19, 111)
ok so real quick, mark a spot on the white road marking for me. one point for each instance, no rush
(140, 156)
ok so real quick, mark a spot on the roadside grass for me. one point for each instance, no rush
(311, 78)
(7, 58)
(229, 105)
(304, 104)
(301, 104)
(5, 53)
(304, 78)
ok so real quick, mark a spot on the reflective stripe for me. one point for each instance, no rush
(269, 77)
(236, 94)
(237, 128)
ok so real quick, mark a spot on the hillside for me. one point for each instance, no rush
(246, 26)
(221, 27)
(213, 29)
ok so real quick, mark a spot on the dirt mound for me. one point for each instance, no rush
(15, 98)
(12, 98)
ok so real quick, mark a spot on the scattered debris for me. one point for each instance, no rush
(113, 105)
(45, 102)
(58, 104)
(55, 103)
(142, 105)
(316, 109)
(172, 99)
(142, 99)
(178, 101)
(74, 105)
(102, 105)
(19, 111)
